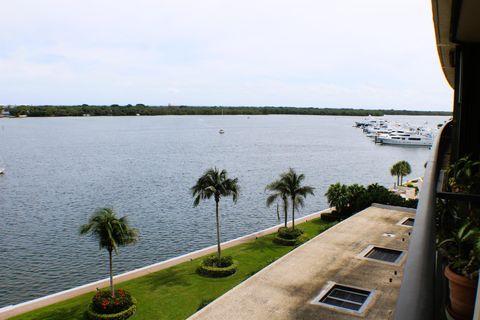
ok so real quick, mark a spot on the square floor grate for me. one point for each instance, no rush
(346, 297)
(384, 254)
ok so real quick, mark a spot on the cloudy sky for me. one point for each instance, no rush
(342, 53)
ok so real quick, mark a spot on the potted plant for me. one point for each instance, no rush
(458, 236)
(462, 251)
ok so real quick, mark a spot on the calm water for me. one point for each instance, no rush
(59, 170)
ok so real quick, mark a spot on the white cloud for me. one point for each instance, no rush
(341, 53)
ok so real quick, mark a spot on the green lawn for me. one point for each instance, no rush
(177, 292)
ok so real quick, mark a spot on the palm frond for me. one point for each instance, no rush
(110, 231)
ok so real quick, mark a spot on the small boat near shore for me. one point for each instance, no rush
(2, 170)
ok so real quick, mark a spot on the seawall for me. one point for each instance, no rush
(13, 310)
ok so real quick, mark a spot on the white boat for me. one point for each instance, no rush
(370, 122)
(2, 170)
(408, 139)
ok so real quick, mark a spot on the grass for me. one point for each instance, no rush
(178, 292)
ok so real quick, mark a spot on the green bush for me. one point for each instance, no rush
(104, 303)
(290, 242)
(289, 233)
(330, 216)
(213, 261)
(354, 198)
(91, 314)
(214, 268)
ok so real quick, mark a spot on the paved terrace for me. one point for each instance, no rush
(286, 288)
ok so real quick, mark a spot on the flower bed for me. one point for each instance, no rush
(104, 306)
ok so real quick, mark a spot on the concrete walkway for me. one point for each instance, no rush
(285, 289)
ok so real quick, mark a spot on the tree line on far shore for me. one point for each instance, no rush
(144, 110)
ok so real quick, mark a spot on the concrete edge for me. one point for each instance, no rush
(13, 310)
(396, 208)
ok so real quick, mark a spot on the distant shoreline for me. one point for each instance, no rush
(143, 110)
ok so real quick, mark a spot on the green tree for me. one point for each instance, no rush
(395, 171)
(356, 197)
(338, 196)
(400, 169)
(295, 190)
(278, 191)
(111, 232)
(405, 170)
(216, 184)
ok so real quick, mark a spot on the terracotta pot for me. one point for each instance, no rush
(462, 295)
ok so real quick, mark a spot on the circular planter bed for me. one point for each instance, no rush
(289, 237)
(290, 242)
(213, 268)
(289, 233)
(103, 306)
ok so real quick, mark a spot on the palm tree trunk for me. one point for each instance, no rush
(218, 230)
(111, 272)
(293, 213)
(398, 180)
(401, 179)
(285, 208)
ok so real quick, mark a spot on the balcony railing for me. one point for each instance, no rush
(422, 289)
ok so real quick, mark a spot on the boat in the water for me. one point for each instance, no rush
(2, 170)
(370, 122)
(221, 131)
(407, 139)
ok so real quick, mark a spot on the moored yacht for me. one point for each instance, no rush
(410, 139)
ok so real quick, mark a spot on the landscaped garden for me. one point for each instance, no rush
(179, 291)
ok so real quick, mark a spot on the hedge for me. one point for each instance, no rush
(290, 242)
(123, 315)
(289, 233)
(209, 268)
(330, 216)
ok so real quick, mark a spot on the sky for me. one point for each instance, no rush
(305, 53)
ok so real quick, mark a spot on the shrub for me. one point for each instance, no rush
(330, 216)
(212, 261)
(290, 242)
(289, 233)
(411, 203)
(355, 198)
(104, 303)
(122, 315)
(214, 268)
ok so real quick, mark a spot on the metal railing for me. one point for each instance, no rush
(420, 293)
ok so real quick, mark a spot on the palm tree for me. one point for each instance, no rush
(295, 190)
(278, 191)
(215, 183)
(405, 169)
(111, 232)
(395, 171)
(400, 169)
(355, 195)
(338, 196)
